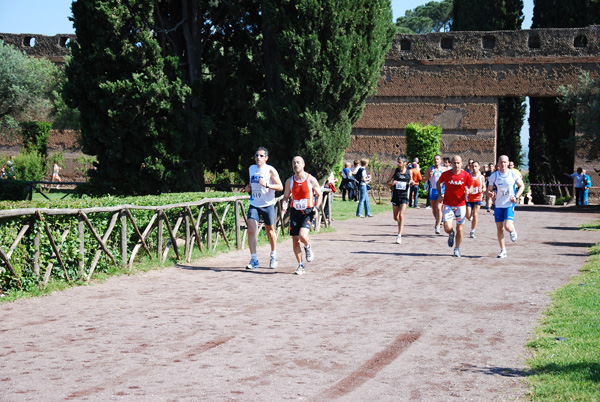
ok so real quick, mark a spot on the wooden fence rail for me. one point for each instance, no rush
(196, 231)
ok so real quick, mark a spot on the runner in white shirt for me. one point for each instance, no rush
(432, 175)
(505, 180)
(264, 181)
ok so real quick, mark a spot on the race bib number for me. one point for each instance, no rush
(256, 195)
(475, 190)
(400, 185)
(301, 204)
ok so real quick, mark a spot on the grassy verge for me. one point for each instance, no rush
(344, 210)
(566, 350)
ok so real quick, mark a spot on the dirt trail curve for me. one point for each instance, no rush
(371, 320)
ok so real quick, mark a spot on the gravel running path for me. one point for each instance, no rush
(370, 320)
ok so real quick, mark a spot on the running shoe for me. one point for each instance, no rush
(451, 239)
(427, 207)
(502, 254)
(253, 264)
(489, 210)
(309, 253)
(299, 270)
(513, 236)
(437, 230)
(398, 239)
(456, 252)
(273, 262)
(472, 235)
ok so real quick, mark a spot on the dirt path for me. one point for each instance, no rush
(371, 320)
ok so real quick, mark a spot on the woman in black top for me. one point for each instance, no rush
(400, 184)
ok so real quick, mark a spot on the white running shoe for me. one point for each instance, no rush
(513, 236)
(273, 262)
(456, 252)
(309, 253)
(437, 230)
(399, 239)
(472, 235)
(502, 254)
(299, 270)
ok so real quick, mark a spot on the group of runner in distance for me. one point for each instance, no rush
(454, 193)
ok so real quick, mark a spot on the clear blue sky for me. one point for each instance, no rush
(50, 17)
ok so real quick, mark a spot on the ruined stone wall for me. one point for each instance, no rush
(54, 48)
(454, 79)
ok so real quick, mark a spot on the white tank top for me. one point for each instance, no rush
(261, 196)
(436, 176)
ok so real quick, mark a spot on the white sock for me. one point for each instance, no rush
(273, 253)
(253, 256)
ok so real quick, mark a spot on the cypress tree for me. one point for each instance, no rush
(492, 15)
(322, 61)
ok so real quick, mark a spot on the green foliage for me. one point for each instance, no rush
(566, 363)
(323, 61)
(583, 102)
(565, 14)
(13, 190)
(35, 137)
(380, 173)
(30, 166)
(434, 16)
(131, 98)
(511, 112)
(86, 163)
(24, 84)
(551, 143)
(22, 258)
(423, 142)
(487, 15)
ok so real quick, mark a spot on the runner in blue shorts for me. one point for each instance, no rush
(505, 180)
(432, 175)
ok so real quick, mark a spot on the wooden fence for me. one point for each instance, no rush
(184, 230)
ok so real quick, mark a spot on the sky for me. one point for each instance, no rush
(51, 17)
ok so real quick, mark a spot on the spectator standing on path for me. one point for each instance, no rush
(302, 187)
(415, 173)
(475, 198)
(579, 185)
(347, 185)
(458, 184)
(400, 183)
(505, 180)
(264, 181)
(363, 178)
(432, 175)
(586, 188)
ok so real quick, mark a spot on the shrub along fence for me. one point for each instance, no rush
(79, 242)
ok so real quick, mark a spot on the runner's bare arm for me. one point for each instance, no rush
(277, 185)
(427, 175)
(318, 192)
(286, 195)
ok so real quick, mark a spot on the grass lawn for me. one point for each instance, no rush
(344, 210)
(566, 349)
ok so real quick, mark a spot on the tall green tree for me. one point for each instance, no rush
(24, 86)
(552, 134)
(130, 96)
(583, 102)
(322, 60)
(434, 16)
(492, 15)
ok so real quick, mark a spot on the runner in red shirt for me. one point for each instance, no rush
(457, 185)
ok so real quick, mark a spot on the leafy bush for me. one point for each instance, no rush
(30, 166)
(423, 142)
(35, 137)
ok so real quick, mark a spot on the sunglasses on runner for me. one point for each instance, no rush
(260, 156)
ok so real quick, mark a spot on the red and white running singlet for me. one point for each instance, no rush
(302, 193)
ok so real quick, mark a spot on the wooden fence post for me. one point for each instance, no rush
(123, 239)
(159, 234)
(81, 236)
(209, 214)
(238, 238)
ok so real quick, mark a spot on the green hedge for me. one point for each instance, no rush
(22, 257)
(13, 190)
